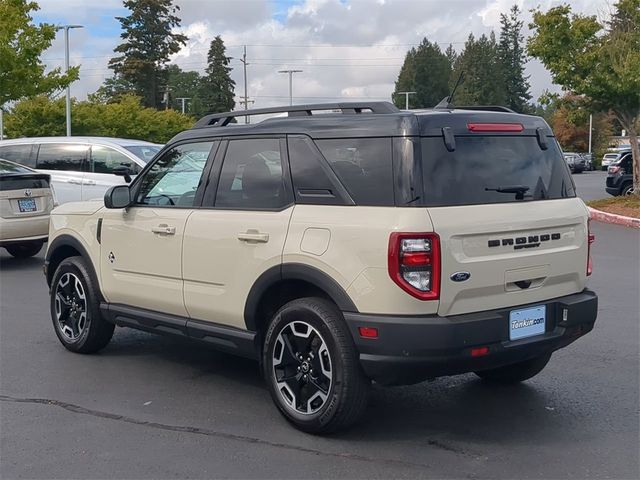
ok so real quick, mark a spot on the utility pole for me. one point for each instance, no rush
(66, 29)
(246, 102)
(1, 123)
(290, 72)
(183, 100)
(590, 130)
(244, 67)
(406, 98)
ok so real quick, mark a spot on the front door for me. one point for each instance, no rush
(240, 231)
(141, 250)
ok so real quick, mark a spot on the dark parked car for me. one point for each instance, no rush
(620, 176)
(575, 161)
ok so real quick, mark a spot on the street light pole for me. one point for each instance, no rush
(66, 69)
(590, 130)
(290, 72)
(406, 98)
(244, 68)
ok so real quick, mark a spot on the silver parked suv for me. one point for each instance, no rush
(338, 248)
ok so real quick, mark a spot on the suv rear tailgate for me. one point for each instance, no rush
(506, 251)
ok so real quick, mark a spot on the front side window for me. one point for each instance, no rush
(364, 166)
(173, 180)
(61, 156)
(252, 175)
(105, 159)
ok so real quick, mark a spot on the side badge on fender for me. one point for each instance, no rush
(460, 276)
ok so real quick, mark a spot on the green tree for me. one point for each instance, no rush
(512, 57)
(186, 84)
(217, 87)
(426, 71)
(149, 40)
(22, 73)
(125, 118)
(480, 62)
(112, 89)
(598, 60)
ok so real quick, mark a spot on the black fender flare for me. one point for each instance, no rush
(68, 241)
(294, 271)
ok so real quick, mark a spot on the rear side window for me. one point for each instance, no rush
(364, 166)
(18, 153)
(252, 176)
(481, 165)
(67, 157)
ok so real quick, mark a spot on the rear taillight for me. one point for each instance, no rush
(614, 169)
(414, 263)
(590, 239)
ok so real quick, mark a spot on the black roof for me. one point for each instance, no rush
(374, 119)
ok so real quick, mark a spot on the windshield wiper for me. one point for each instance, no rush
(519, 190)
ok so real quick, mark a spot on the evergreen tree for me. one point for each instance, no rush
(426, 71)
(148, 43)
(217, 87)
(512, 57)
(483, 84)
(186, 84)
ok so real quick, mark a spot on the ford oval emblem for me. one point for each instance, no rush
(460, 276)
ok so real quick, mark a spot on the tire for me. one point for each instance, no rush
(75, 308)
(516, 372)
(627, 189)
(307, 334)
(25, 250)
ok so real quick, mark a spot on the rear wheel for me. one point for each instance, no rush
(75, 308)
(627, 189)
(516, 372)
(311, 367)
(25, 250)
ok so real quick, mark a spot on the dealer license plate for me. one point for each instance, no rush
(527, 322)
(27, 205)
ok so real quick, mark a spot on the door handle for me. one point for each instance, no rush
(89, 182)
(253, 236)
(74, 181)
(164, 229)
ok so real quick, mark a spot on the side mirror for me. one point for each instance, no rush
(118, 196)
(123, 171)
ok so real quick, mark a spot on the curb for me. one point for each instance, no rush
(605, 217)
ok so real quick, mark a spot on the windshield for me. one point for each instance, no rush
(493, 169)
(144, 152)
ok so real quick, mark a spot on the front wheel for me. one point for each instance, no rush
(25, 250)
(516, 372)
(75, 308)
(312, 369)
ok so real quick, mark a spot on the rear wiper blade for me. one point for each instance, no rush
(519, 190)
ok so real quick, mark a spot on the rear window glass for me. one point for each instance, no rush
(364, 166)
(481, 165)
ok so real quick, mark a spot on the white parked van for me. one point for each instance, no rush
(81, 168)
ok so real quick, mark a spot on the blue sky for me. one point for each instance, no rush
(347, 48)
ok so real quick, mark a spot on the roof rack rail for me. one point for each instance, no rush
(347, 108)
(487, 108)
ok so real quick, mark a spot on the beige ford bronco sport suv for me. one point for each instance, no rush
(338, 247)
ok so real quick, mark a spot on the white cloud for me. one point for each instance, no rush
(347, 48)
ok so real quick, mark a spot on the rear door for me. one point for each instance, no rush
(507, 215)
(65, 163)
(240, 231)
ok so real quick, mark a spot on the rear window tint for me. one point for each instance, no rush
(364, 166)
(479, 164)
(18, 153)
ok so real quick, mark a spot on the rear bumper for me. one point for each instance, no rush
(23, 229)
(613, 191)
(410, 349)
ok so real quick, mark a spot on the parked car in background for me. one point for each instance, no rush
(614, 156)
(575, 161)
(589, 162)
(81, 168)
(620, 176)
(26, 199)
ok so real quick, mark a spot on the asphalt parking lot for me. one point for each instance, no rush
(156, 407)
